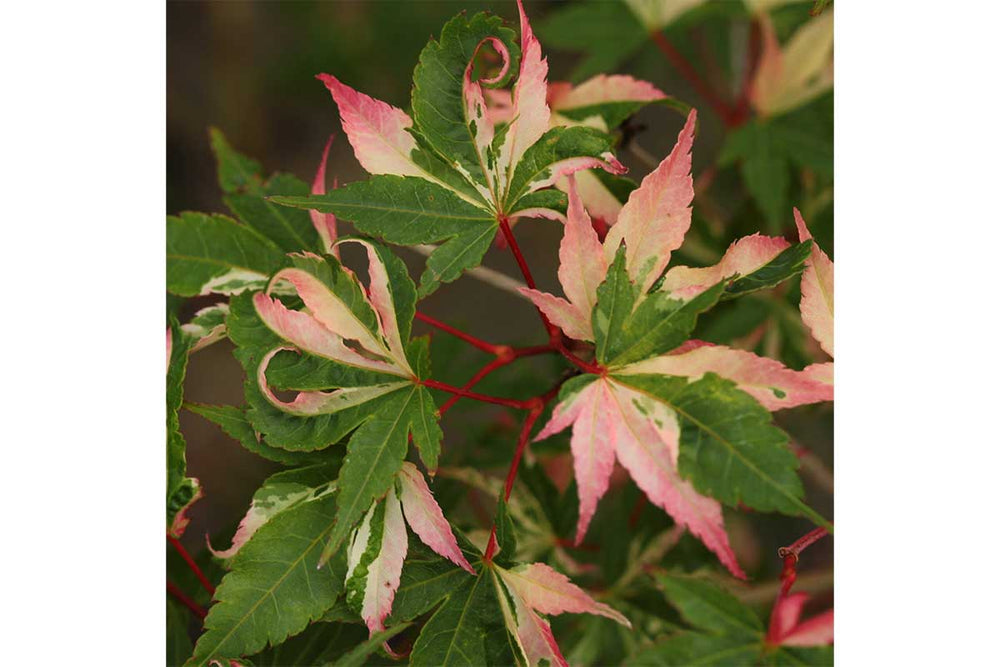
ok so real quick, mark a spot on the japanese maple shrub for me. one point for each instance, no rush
(347, 548)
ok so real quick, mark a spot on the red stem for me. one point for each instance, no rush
(555, 335)
(522, 444)
(514, 248)
(182, 597)
(489, 348)
(790, 554)
(483, 372)
(496, 400)
(801, 544)
(586, 366)
(206, 584)
(686, 70)
(505, 355)
(633, 517)
(508, 234)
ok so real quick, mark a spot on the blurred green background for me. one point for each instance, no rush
(248, 68)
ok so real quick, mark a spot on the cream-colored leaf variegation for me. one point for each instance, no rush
(326, 328)
(537, 589)
(564, 98)
(612, 421)
(208, 326)
(379, 134)
(658, 14)
(269, 501)
(381, 546)
(789, 76)
(817, 290)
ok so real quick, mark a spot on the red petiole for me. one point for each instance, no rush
(183, 598)
(489, 348)
(522, 443)
(790, 554)
(206, 584)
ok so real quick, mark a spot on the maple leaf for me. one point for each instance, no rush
(635, 412)
(817, 290)
(208, 326)
(325, 223)
(328, 325)
(378, 546)
(789, 77)
(280, 492)
(726, 631)
(182, 491)
(451, 172)
(786, 629)
(537, 588)
(354, 370)
(601, 102)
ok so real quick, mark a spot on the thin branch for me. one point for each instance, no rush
(644, 156)
(801, 544)
(206, 584)
(183, 598)
(686, 70)
(537, 408)
(483, 372)
(522, 444)
(508, 234)
(496, 400)
(478, 343)
(555, 335)
(790, 554)
(484, 274)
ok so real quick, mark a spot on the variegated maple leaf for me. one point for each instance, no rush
(601, 102)
(182, 491)
(326, 328)
(325, 223)
(787, 630)
(656, 385)
(450, 172)
(378, 546)
(530, 590)
(817, 290)
(355, 373)
(724, 630)
(816, 304)
(789, 76)
(280, 492)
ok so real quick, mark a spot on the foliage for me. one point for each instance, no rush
(363, 549)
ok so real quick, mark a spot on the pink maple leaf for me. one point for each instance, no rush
(325, 329)
(325, 223)
(817, 290)
(538, 589)
(612, 421)
(787, 630)
(565, 98)
(582, 267)
(657, 215)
